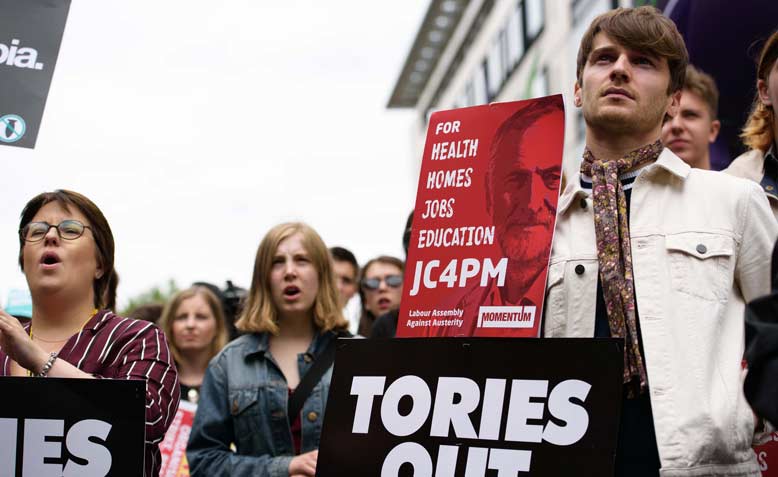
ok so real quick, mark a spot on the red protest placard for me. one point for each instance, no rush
(767, 456)
(484, 220)
(173, 447)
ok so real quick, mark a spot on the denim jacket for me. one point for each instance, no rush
(243, 401)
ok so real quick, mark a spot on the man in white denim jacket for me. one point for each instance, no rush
(698, 246)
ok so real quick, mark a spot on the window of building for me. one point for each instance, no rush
(495, 70)
(533, 11)
(539, 83)
(515, 37)
(480, 93)
(469, 94)
(460, 101)
(585, 10)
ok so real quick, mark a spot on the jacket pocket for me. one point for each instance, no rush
(245, 411)
(555, 315)
(700, 264)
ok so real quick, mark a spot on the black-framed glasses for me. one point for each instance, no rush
(393, 281)
(67, 230)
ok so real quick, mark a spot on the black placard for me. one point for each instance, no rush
(73, 415)
(30, 36)
(563, 367)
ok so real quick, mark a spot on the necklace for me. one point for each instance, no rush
(79, 329)
(38, 338)
(193, 395)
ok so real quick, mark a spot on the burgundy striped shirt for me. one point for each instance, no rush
(113, 347)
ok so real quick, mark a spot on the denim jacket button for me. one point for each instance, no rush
(307, 357)
(702, 248)
(579, 269)
(312, 416)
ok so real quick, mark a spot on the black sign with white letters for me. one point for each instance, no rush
(473, 407)
(71, 427)
(30, 35)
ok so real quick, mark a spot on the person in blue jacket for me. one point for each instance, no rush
(291, 315)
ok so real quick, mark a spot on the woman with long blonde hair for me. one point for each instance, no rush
(193, 322)
(291, 318)
(760, 163)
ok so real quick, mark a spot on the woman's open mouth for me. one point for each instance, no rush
(291, 293)
(49, 260)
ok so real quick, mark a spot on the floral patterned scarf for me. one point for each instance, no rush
(614, 254)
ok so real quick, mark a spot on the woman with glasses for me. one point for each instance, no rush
(381, 290)
(66, 251)
(265, 393)
(193, 321)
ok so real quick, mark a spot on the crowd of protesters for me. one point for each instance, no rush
(251, 366)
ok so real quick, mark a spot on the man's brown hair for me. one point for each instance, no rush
(642, 29)
(703, 85)
(758, 133)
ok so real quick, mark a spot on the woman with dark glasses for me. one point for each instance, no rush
(381, 289)
(66, 251)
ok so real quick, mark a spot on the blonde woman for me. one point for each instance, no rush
(193, 321)
(291, 316)
(760, 163)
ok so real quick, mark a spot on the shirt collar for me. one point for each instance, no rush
(262, 341)
(667, 161)
(769, 180)
(770, 154)
(771, 162)
(97, 320)
(671, 163)
(260, 344)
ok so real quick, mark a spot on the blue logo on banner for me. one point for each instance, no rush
(12, 128)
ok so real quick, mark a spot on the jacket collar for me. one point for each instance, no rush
(667, 161)
(98, 320)
(259, 343)
(671, 163)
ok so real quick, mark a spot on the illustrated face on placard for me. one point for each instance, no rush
(523, 185)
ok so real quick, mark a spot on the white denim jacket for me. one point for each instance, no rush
(701, 248)
(750, 165)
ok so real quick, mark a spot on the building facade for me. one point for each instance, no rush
(470, 52)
